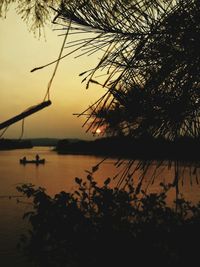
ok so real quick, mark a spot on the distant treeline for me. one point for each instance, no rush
(44, 141)
(142, 148)
(7, 144)
(29, 143)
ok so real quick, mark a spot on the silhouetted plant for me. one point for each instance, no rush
(36, 13)
(104, 226)
(152, 61)
(149, 64)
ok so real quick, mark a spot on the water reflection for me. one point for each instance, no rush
(60, 170)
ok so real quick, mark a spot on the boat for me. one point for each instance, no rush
(25, 161)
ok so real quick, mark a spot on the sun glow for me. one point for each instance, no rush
(98, 131)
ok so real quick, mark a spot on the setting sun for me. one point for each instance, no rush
(98, 131)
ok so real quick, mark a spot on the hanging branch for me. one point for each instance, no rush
(25, 114)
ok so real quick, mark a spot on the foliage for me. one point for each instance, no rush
(35, 12)
(104, 226)
(151, 57)
(149, 65)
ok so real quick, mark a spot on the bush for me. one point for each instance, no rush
(104, 226)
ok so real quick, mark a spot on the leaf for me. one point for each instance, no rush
(77, 193)
(89, 177)
(107, 181)
(78, 180)
(93, 81)
(88, 172)
(95, 168)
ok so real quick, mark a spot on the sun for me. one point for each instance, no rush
(98, 131)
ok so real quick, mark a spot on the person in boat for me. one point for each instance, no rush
(37, 157)
(24, 159)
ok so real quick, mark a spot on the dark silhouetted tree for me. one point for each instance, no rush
(151, 60)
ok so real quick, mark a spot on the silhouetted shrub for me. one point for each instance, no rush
(104, 226)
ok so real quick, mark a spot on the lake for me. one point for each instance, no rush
(55, 175)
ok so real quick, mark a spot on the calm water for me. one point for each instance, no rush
(57, 174)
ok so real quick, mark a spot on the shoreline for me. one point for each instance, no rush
(185, 150)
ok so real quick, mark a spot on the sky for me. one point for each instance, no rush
(21, 51)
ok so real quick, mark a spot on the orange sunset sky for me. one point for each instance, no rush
(21, 51)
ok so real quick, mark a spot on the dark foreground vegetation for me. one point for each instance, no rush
(184, 148)
(102, 226)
